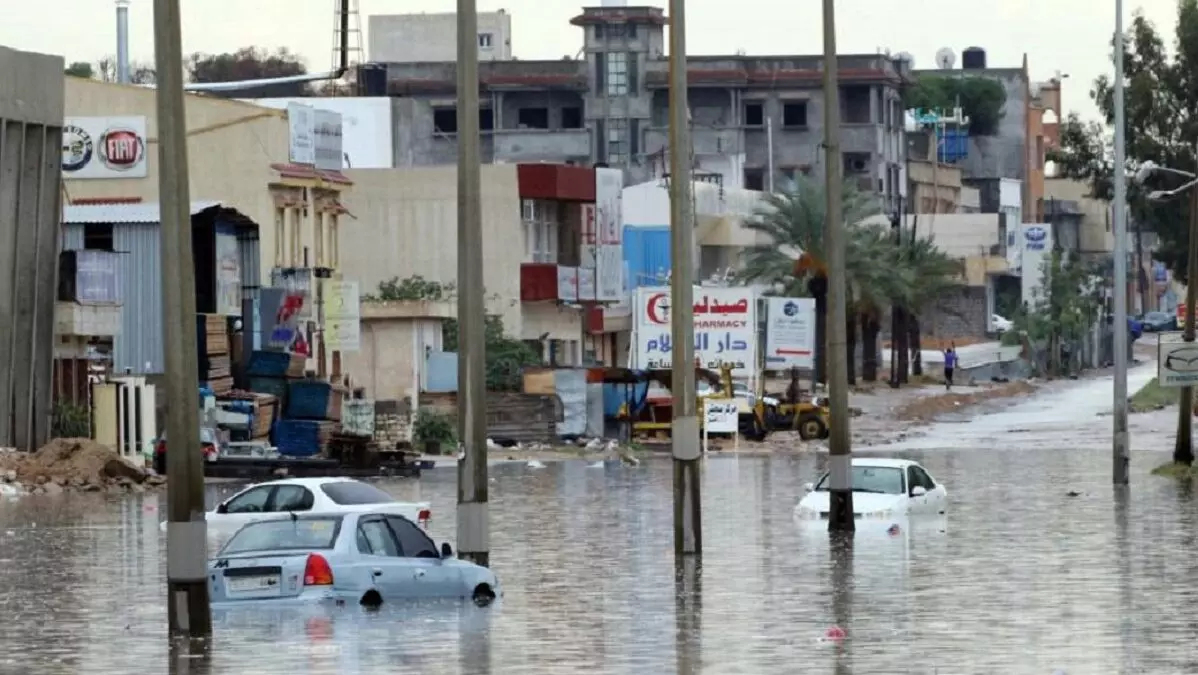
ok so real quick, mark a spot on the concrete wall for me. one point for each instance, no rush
(231, 146)
(402, 38)
(1094, 234)
(395, 338)
(31, 118)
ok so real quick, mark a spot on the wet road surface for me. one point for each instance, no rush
(1019, 578)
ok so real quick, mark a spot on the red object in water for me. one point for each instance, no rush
(835, 633)
(893, 530)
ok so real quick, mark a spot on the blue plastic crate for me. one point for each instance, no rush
(297, 438)
(309, 400)
(269, 364)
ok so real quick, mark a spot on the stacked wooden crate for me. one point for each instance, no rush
(392, 424)
(264, 409)
(212, 341)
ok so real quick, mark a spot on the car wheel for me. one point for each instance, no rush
(371, 600)
(812, 427)
(483, 595)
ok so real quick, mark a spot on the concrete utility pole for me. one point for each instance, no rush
(474, 536)
(187, 532)
(1120, 450)
(840, 460)
(1183, 449)
(684, 433)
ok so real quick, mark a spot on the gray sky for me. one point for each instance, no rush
(1069, 36)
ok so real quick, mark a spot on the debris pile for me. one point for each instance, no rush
(928, 407)
(78, 464)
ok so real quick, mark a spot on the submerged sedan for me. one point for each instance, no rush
(365, 558)
(882, 488)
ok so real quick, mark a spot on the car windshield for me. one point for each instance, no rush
(1156, 316)
(351, 492)
(283, 534)
(883, 480)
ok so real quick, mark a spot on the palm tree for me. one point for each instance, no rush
(880, 280)
(930, 274)
(794, 224)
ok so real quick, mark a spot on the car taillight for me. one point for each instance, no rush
(317, 572)
(424, 516)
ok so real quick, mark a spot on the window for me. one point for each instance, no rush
(617, 74)
(599, 31)
(617, 142)
(754, 114)
(794, 115)
(252, 501)
(616, 30)
(791, 175)
(284, 534)
(917, 476)
(877, 479)
(540, 230)
(486, 119)
(292, 498)
(375, 538)
(533, 118)
(754, 179)
(856, 162)
(97, 237)
(350, 492)
(412, 542)
(572, 117)
(445, 120)
(486, 40)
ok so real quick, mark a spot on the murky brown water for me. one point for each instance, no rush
(1020, 578)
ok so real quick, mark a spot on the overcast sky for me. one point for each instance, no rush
(1065, 36)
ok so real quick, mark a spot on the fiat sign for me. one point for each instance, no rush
(104, 147)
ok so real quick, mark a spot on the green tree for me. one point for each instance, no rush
(1161, 105)
(250, 63)
(929, 274)
(81, 69)
(1064, 312)
(980, 99)
(414, 287)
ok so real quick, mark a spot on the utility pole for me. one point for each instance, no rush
(474, 537)
(1183, 449)
(188, 609)
(840, 460)
(684, 432)
(1120, 450)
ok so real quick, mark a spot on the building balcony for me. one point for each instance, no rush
(87, 319)
(548, 282)
(705, 141)
(538, 145)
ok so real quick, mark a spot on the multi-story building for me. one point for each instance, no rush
(410, 38)
(748, 114)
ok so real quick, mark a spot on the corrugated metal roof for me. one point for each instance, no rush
(122, 213)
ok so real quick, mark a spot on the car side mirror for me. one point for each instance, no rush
(446, 550)
(808, 487)
(918, 491)
(223, 507)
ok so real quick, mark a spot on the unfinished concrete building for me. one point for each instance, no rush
(31, 118)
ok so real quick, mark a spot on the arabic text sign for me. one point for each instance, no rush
(1176, 361)
(725, 329)
(790, 333)
(720, 416)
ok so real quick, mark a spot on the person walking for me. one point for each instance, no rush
(950, 364)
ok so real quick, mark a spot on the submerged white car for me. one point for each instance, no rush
(882, 488)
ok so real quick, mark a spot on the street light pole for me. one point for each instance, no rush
(684, 432)
(188, 612)
(840, 460)
(1183, 448)
(1120, 451)
(473, 518)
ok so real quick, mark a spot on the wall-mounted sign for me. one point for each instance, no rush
(790, 333)
(567, 283)
(315, 137)
(104, 147)
(586, 284)
(342, 315)
(1035, 237)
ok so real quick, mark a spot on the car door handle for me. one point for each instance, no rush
(377, 572)
(419, 573)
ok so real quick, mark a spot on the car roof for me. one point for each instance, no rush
(884, 462)
(307, 482)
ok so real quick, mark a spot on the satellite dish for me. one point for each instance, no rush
(945, 58)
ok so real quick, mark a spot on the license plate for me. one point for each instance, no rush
(249, 584)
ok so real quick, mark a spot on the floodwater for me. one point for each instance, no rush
(1020, 577)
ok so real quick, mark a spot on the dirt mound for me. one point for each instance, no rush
(927, 408)
(79, 463)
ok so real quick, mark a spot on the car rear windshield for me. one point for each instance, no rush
(353, 492)
(285, 534)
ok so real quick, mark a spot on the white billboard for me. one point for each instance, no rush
(366, 141)
(1036, 242)
(315, 137)
(104, 147)
(725, 329)
(790, 333)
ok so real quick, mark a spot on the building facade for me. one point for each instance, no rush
(610, 106)
(413, 38)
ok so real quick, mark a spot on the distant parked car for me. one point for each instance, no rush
(363, 558)
(1156, 322)
(310, 495)
(209, 445)
(1001, 324)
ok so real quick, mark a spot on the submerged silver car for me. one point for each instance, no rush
(353, 558)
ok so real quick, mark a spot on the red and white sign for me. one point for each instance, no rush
(104, 147)
(589, 224)
(790, 333)
(725, 321)
(609, 206)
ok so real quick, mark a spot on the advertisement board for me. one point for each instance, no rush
(790, 333)
(342, 315)
(104, 147)
(228, 275)
(724, 322)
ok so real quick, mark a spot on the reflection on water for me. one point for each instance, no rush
(1021, 578)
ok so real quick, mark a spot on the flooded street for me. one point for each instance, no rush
(1018, 578)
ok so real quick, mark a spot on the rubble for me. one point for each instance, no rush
(926, 408)
(72, 464)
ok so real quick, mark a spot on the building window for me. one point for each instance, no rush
(486, 119)
(540, 230)
(486, 40)
(617, 142)
(791, 175)
(617, 74)
(794, 115)
(533, 118)
(98, 237)
(754, 179)
(754, 114)
(445, 120)
(572, 117)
